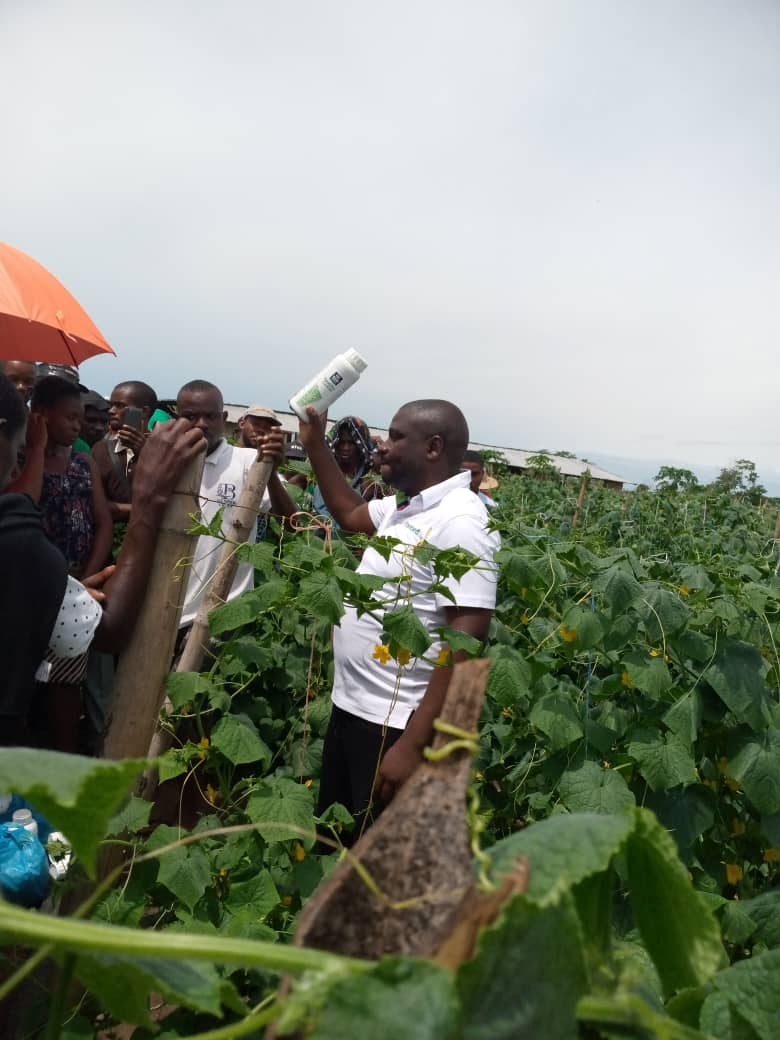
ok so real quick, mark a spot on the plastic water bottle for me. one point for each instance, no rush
(329, 384)
(24, 818)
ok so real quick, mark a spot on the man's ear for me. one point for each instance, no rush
(224, 417)
(435, 447)
(241, 421)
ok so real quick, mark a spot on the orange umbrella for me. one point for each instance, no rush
(39, 319)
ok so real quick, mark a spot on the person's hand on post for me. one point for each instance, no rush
(397, 765)
(271, 446)
(169, 449)
(131, 438)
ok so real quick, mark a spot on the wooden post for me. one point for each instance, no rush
(777, 529)
(575, 520)
(241, 526)
(239, 529)
(138, 689)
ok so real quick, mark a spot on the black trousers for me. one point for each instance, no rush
(350, 758)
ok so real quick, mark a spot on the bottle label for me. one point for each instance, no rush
(309, 397)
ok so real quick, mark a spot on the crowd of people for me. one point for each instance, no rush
(81, 476)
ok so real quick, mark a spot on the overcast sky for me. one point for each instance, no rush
(564, 216)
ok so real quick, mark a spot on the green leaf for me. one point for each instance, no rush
(236, 737)
(185, 687)
(764, 913)
(737, 676)
(684, 717)
(403, 628)
(399, 998)
(284, 810)
(247, 607)
(678, 930)
(563, 849)
(585, 624)
(186, 873)
(123, 984)
(664, 614)
(262, 556)
(590, 788)
(77, 795)
(649, 674)
(510, 676)
(258, 893)
(686, 812)
(664, 761)
(542, 945)
(756, 766)
(556, 716)
(134, 816)
(619, 588)
(320, 594)
(747, 992)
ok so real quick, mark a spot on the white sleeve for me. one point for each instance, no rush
(477, 588)
(379, 508)
(76, 622)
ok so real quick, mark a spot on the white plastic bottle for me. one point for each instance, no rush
(24, 818)
(329, 384)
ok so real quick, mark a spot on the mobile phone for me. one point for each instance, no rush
(133, 417)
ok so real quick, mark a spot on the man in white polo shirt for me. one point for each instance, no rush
(381, 722)
(224, 473)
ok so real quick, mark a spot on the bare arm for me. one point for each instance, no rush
(169, 449)
(346, 505)
(272, 446)
(104, 530)
(406, 754)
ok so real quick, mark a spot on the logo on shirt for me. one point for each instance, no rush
(226, 493)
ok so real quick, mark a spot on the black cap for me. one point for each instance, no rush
(92, 399)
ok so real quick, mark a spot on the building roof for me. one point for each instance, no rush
(517, 458)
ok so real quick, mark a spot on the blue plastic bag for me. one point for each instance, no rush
(24, 867)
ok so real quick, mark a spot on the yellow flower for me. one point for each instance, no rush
(737, 826)
(684, 590)
(286, 900)
(507, 713)
(311, 692)
(381, 653)
(734, 873)
(223, 873)
(524, 592)
(299, 852)
(655, 653)
(403, 656)
(307, 783)
(625, 678)
(211, 793)
(479, 776)
(568, 634)
(443, 658)
(526, 618)
(772, 856)
(203, 744)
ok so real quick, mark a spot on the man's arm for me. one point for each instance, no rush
(272, 446)
(168, 450)
(346, 505)
(104, 529)
(406, 754)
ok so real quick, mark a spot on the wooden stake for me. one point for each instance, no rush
(575, 520)
(242, 524)
(138, 688)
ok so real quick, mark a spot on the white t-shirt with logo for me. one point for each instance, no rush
(224, 474)
(446, 515)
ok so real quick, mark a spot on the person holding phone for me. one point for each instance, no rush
(130, 406)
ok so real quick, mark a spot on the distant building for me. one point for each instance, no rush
(516, 458)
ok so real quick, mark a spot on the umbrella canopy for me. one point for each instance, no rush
(39, 319)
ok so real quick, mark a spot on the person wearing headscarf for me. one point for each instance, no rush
(352, 446)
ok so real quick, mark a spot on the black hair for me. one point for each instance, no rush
(13, 413)
(50, 390)
(474, 456)
(448, 421)
(143, 396)
(200, 386)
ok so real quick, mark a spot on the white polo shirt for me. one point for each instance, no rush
(224, 474)
(445, 515)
